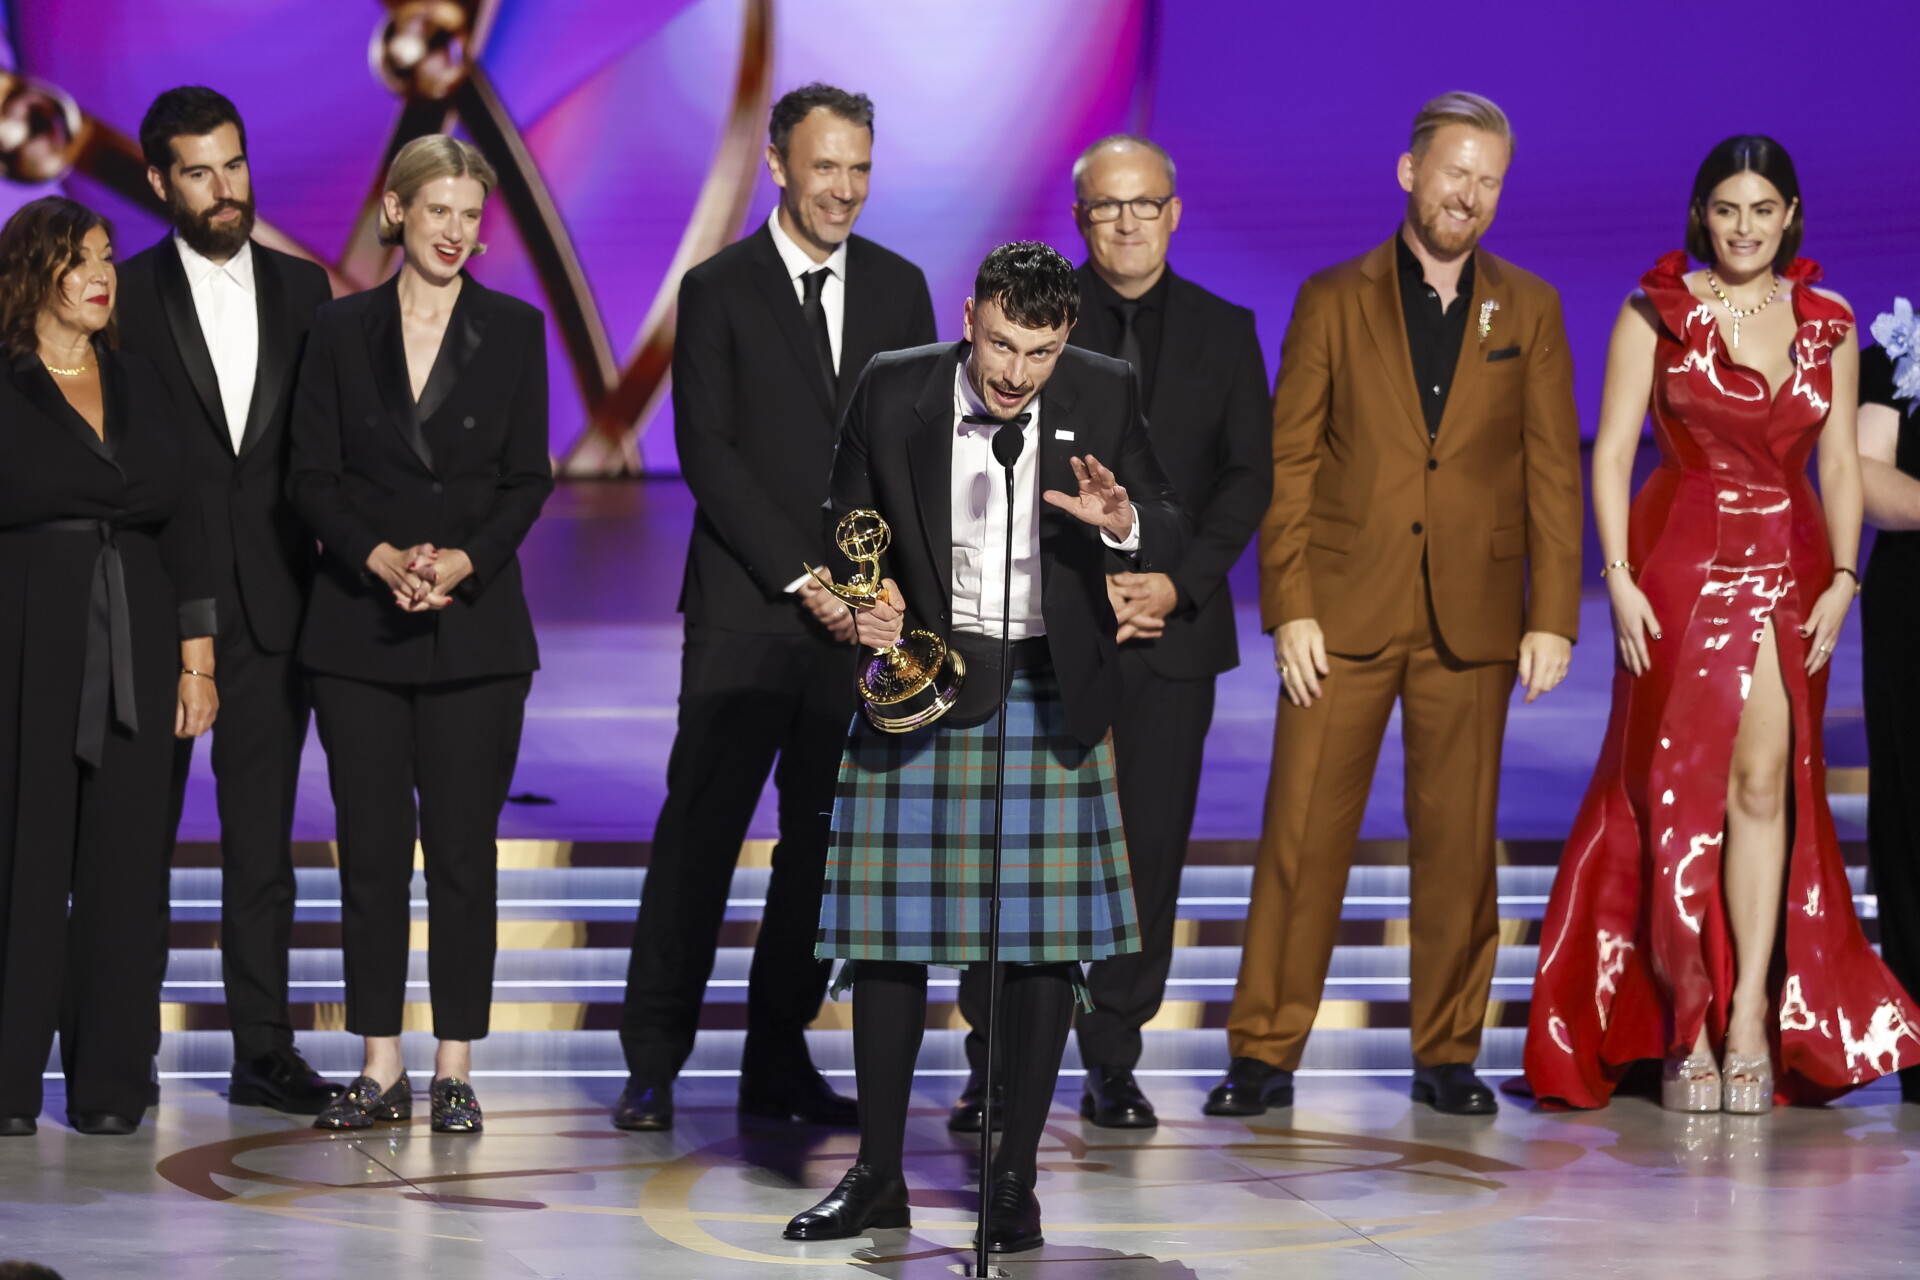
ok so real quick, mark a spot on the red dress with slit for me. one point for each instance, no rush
(1728, 534)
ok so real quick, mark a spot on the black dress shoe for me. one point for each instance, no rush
(865, 1200)
(1112, 1100)
(18, 1126)
(281, 1080)
(801, 1095)
(1249, 1088)
(104, 1124)
(1013, 1220)
(967, 1108)
(644, 1107)
(363, 1105)
(1453, 1088)
(455, 1107)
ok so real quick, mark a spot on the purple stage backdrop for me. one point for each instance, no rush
(640, 123)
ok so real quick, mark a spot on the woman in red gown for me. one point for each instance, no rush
(1702, 914)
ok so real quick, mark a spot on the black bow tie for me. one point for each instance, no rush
(988, 420)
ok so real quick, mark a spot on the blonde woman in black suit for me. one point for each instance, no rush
(420, 462)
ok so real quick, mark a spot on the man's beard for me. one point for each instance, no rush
(207, 239)
(1444, 237)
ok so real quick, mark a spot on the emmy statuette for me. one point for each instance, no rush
(918, 680)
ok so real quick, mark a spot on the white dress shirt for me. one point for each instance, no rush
(979, 498)
(833, 292)
(833, 297)
(223, 298)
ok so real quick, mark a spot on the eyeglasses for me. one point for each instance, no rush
(1145, 208)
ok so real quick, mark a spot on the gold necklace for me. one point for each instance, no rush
(1737, 314)
(65, 373)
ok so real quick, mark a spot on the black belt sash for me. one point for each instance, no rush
(108, 679)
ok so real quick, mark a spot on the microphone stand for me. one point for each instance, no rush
(1006, 455)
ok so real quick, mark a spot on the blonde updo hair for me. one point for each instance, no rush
(430, 159)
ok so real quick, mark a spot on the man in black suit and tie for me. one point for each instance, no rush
(772, 332)
(1209, 409)
(224, 320)
(1203, 380)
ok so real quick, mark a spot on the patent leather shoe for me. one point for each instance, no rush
(1013, 1219)
(968, 1108)
(1111, 1100)
(865, 1200)
(1249, 1088)
(802, 1095)
(19, 1126)
(456, 1109)
(363, 1105)
(644, 1106)
(283, 1081)
(102, 1124)
(1453, 1089)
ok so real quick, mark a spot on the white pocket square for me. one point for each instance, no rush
(1063, 435)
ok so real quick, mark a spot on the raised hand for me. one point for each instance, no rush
(1101, 500)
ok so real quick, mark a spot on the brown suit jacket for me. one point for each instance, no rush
(1360, 494)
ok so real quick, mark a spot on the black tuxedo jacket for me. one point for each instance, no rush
(465, 468)
(896, 457)
(261, 555)
(1211, 419)
(753, 423)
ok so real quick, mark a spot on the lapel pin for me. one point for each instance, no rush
(1487, 309)
(1063, 435)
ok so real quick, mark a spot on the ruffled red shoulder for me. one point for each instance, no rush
(1817, 308)
(1666, 288)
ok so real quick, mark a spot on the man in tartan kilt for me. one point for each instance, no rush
(908, 875)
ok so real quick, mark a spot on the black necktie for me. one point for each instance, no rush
(1130, 339)
(815, 281)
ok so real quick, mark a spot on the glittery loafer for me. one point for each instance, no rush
(363, 1105)
(455, 1108)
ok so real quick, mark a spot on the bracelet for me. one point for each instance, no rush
(1840, 569)
(189, 671)
(1615, 564)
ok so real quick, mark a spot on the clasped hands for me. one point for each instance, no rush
(421, 577)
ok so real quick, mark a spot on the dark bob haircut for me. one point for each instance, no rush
(187, 112)
(1745, 153)
(1032, 284)
(39, 244)
(798, 104)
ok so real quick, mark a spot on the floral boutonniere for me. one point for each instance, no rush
(1898, 333)
(1487, 309)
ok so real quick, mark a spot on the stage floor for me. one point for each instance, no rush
(1353, 1183)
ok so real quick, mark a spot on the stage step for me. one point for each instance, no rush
(598, 975)
(208, 1055)
(589, 894)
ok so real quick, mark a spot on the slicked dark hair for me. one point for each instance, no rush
(186, 112)
(16, 1269)
(798, 104)
(1746, 153)
(1031, 283)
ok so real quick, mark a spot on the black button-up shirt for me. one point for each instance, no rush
(1433, 335)
(1149, 321)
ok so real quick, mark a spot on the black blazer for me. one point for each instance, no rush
(753, 423)
(1211, 419)
(466, 468)
(896, 457)
(262, 556)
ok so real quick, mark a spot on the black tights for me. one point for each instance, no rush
(889, 1016)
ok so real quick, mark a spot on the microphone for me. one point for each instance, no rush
(1008, 443)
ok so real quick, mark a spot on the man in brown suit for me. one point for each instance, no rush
(1423, 545)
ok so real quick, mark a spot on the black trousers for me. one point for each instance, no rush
(1891, 693)
(1159, 737)
(746, 700)
(454, 745)
(257, 741)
